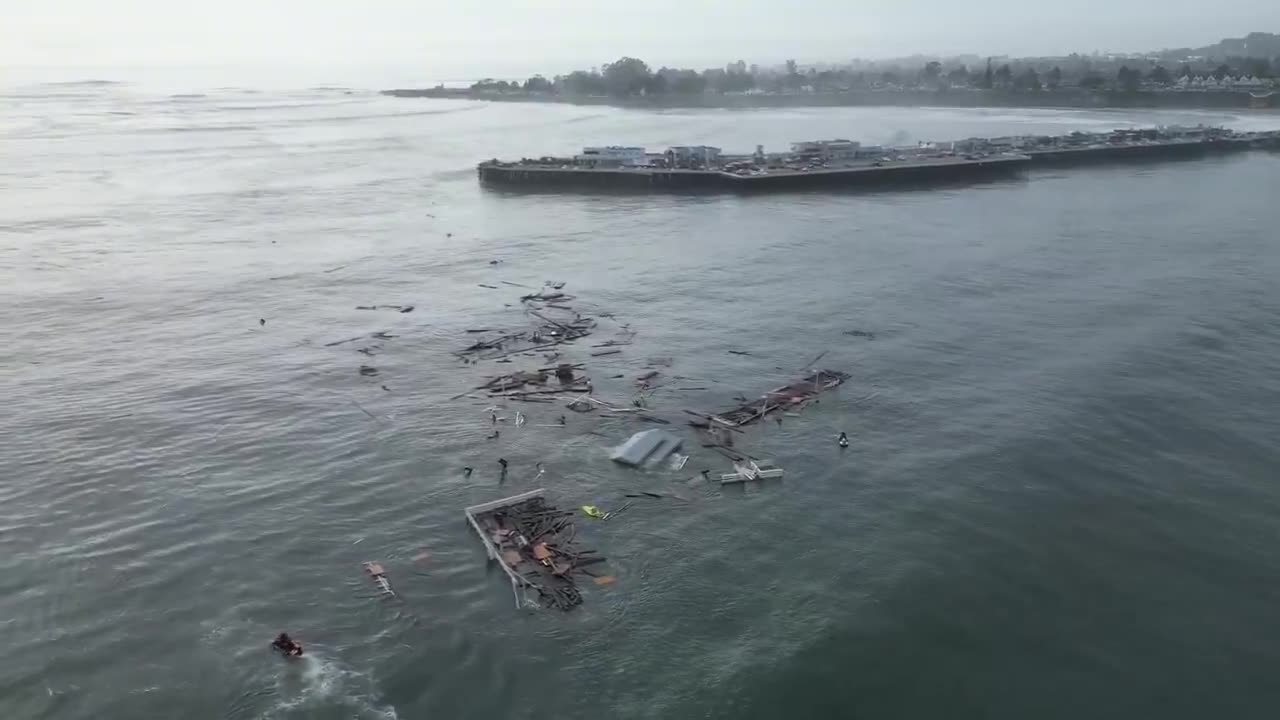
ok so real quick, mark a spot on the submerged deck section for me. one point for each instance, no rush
(795, 395)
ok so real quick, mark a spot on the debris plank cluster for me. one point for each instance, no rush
(544, 333)
(534, 543)
(535, 385)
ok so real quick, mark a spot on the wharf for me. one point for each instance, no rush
(940, 169)
(597, 177)
(842, 163)
(1166, 150)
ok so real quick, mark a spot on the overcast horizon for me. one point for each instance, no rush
(520, 37)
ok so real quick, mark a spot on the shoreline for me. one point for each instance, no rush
(1048, 100)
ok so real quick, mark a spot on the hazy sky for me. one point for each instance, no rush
(473, 37)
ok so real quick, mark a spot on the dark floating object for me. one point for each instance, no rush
(381, 335)
(398, 308)
(384, 387)
(366, 412)
(368, 370)
(342, 342)
(860, 333)
(287, 646)
(545, 297)
(262, 321)
(379, 577)
(739, 352)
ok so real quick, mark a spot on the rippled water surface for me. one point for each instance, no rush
(1060, 499)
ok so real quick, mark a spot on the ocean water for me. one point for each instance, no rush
(1060, 499)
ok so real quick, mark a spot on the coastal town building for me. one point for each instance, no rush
(825, 150)
(612, 156)
(1201, 82)
(692, 156)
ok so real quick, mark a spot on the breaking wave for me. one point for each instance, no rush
(318, 683)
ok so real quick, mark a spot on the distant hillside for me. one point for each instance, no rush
(1258, 45)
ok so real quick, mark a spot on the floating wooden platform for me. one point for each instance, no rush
(533, 543)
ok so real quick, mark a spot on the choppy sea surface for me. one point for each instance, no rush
(1060, 498)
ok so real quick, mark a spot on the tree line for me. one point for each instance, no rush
(629, 77)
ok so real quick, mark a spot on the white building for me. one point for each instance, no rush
(1185, 132)
(693, 155)
(612, 156)
(826, 150)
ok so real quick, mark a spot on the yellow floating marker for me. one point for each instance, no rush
(595, 512)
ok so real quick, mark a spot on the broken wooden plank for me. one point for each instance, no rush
(342, 342)
(814, 361)
(521, 350)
